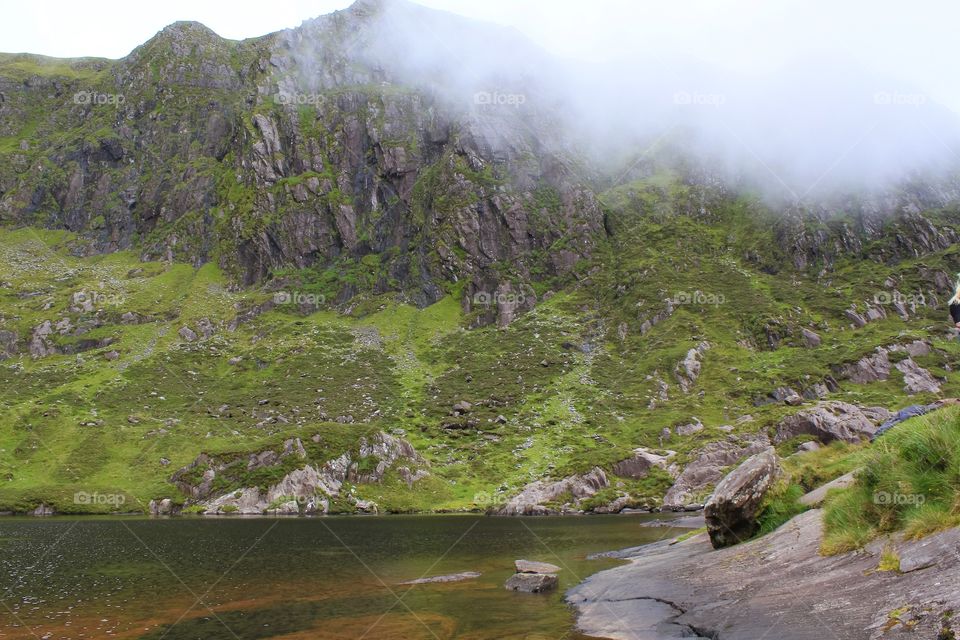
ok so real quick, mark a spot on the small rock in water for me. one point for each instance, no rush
(452, 577)
(532, 582)
(531, 566)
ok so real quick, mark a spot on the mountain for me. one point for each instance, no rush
(312, 272)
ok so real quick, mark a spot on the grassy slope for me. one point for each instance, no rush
(572, 393)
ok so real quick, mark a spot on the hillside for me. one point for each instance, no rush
(286, 274)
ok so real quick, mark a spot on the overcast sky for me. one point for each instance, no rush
(915, 41)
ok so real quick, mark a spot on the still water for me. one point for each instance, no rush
(327, 578)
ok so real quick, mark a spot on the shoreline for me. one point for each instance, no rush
(776, 586)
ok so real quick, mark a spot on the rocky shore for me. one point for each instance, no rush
(777, 586)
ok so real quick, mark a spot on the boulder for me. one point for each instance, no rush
(8, 344)
(532, 566)
(810, 338)
(187, 334)
(707, 467)
(730, 513)
(688, 370)
(532, 582)
(869, 368)
(827, 421)
(689, 429)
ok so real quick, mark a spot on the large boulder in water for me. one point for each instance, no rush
(731, 511)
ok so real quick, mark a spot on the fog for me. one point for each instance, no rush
(813, 119)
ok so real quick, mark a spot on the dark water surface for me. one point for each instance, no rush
(295, 578)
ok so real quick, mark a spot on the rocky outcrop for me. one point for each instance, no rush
(639, 465)
(832, 420)
(688, 370)
(708, 465)
(778, 584)
(306, 488)
(8, 344)
(534, 497)
(731, 511)
(916, 379)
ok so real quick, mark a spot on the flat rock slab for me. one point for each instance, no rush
(818, 495)
(532, 582)
(532, 566)
(451, 577)
(777, 586)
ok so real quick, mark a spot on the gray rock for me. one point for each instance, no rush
(916, 379)
(640, 464)
(689, 429)
(530, 500)
(707, 467)
(452, 577)
(869, 368)
(811, 445)
(532, 582)
(828, 421)
(688, 370)
(532, 566)
(730, 512)
(810, 338)
(930, 551)
(8, 344)
(818, 495)
(187, 334)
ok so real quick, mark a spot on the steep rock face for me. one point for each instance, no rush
(298, 149)
(731, 509)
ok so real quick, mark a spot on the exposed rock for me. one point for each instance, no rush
(163, 507)
(462, 407)
(40, 344)
(828, 421)
(689, 429)
(532, 582)
(707, 467)
(869, 368)
(187, 334)
(818, 495)
(916, 379)
(112, 355)
(452, 577)
(43, 509)
(810, 445)
(531, 500)
(730, 512)
(532, 566)
(639, 465)
(8, 344)
(775, 586)
(688, 370)
(930, 551)
(811, 339)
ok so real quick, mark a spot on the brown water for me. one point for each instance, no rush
(326, 578)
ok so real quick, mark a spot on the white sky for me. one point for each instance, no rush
(913, 40)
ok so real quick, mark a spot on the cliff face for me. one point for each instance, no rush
(298, 149)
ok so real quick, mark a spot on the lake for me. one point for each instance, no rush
(293, 578)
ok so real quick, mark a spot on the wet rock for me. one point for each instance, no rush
(730, 512)
(532, 582)
(452, 577)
